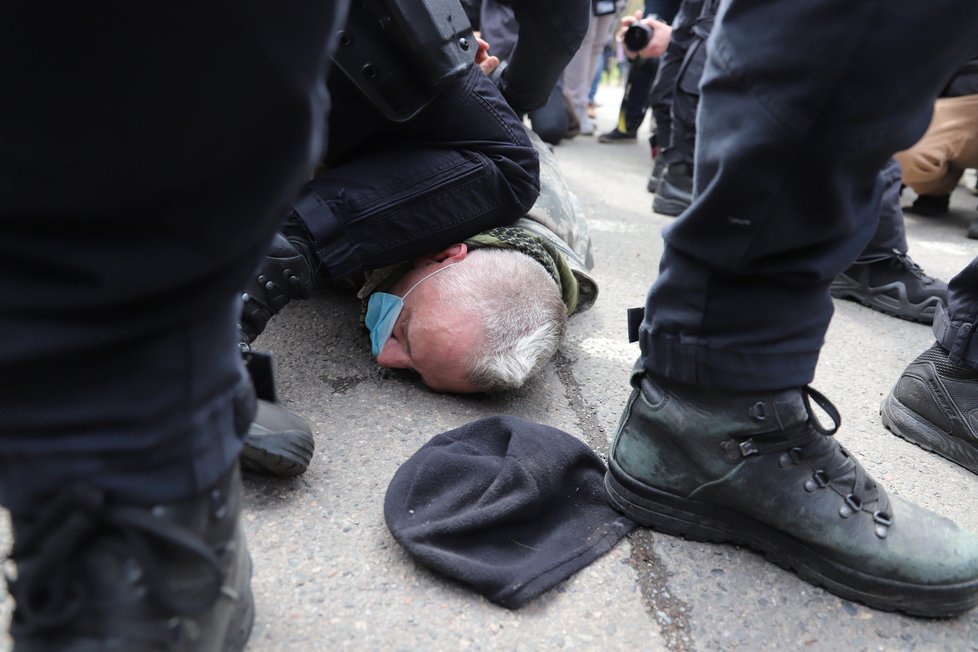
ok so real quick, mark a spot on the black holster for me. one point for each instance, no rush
(400, 52)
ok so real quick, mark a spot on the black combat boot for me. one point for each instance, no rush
(894, 285)
(933, 404)
(287, 272)
(278, 442)
(674, 192)
(930, 205)
(758, 469)
(658, 168)
(91, 573)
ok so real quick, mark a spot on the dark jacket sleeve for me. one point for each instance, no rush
(550, 31)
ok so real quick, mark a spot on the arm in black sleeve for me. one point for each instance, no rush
(550, 31)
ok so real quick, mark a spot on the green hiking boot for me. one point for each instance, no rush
(758, 469)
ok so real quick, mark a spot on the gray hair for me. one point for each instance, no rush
(520, 310)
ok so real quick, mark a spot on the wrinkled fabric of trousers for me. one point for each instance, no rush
(146, 160)
(792, 135)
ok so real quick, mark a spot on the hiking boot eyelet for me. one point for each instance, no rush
(758, 411)
(882, 519)
(795, 455)
(821, 478)
(854, 502)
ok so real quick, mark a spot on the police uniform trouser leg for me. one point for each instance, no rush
(742, 297)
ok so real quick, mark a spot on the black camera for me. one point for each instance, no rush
(637, 36)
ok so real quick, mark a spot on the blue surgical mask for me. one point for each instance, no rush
(383, 309)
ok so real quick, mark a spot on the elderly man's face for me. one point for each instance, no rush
(426, 338)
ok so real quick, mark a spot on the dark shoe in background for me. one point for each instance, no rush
(615, 136)
(758, 469)
(93, 574)
(973, 229)
(278, 442)
(658, 168)
(934, 404)
(674, 192)
(287, 272)
(894, 285)
(930, 205)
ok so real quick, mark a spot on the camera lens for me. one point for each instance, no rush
(637, 36)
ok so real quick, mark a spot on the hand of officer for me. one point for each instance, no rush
(486, 62)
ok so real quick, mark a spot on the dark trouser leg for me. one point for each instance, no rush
(134, 204)
(891, 233)
(635, 103)
(550, 122)
(884, 277)
(742, 298)
(955, 328)
(144, 170)
(464, 165)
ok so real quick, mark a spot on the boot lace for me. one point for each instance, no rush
(903, 260)
(51, 593)
(810, 444)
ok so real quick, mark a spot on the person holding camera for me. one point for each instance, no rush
(650, 34)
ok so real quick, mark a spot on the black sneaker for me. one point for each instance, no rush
(758, 469)
(674, 192)
(657, 169)
(930, 205)
(278, 442)
(894, 285)
(934, 404)
(615, 136)
(91, 573)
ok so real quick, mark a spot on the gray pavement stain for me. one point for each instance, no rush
(669, 612)
(343, 384)
(587, 419)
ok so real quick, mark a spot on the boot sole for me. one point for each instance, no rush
(699, 521)
(666, 206)
(874, 298)
(285, 454)
(907, 424)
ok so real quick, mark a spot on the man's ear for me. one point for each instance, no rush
(453, 254)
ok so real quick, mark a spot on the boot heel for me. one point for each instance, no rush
(661, 517)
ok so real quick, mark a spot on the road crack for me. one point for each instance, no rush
(668, 611)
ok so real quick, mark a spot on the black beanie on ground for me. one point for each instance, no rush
(509, 507)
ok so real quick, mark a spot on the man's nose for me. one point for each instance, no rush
(393, 356)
